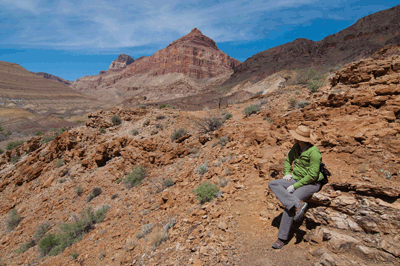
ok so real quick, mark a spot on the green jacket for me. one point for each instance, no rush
(306, 168)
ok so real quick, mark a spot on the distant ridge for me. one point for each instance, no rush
(52, 77)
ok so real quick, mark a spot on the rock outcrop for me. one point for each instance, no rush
(122, 61)
(53, 77)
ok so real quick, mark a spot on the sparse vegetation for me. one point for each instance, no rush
(14, 159)
(164, 105)
(227, 116)
(13, 144)
(38, 133)
(59, 163)
(13, 219)
(102, 130)
(222, 182)
(134, 132)
(315, 80)
(70, 233)
(25, 246)
(202, 169)
(1, 151)
(302, 104)
(157, 237)
(223, 140)
(142, 106)
(292, 102)
(178, 133)
(116, 120)
(56, 131)
(146, 229)
(209, 124)
(252, 109)
(94, 193)
(41, 230)
(74, 255)
(79, 190)
(135, 177)
(8, 133)
(168, 183)
(206, 192)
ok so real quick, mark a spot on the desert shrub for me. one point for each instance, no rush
(222, 182)
(134, 132)
(269, 120)
(8, 133)
(227, 116)
(142, 106)
(94, 193)
(74, 255)
(292, 102)
(164, 105)
(102, 130)
(206, 192)
(116, 120)
(38, 133)
(302, 104)
(146, 229)
(314, 85)
(252, 109)
(59, 163)
(13, 219)
(223, 140)
(41, 230)
(14, 159)
(146, 122)
(202, 169)
(168, 183)
(70, 233)
(1, 129)
(13, 144)
(79, 190)
(178, 133)
(25, 246)
(135, 177)
(158, 237)
(47, 139)
(209, 124)
(1, 151)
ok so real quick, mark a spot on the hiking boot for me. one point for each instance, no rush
(278, 244)
(300, 209)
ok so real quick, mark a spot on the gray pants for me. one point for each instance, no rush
(278, 187)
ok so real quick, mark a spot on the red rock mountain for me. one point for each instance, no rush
(366, 36)
(187, 66)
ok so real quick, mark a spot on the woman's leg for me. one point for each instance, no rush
(301, 193)
(278, 187)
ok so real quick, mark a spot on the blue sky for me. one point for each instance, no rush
(76, 38)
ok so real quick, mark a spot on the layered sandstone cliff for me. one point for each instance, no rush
(185, 67)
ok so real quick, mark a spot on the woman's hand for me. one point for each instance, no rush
(287, 177)
(291, 189)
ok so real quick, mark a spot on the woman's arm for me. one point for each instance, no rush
(312, 170)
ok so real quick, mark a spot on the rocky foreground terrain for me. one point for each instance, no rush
(354, 220)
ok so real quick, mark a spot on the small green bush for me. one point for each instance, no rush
(116, 120)
(1, 151)
(70, 233)
(314, 85)
(206, 192)
(292, 102)
(142, 106)
(302, 104)
(14, 159)
(134, 132)
(227, 116)
(1, 129)
(38, 133)
(41, 230)
(102, 130)
(74, 255)
(13, 144)
(135, 177)
(164, 105)
(25, 246)
(47, 139)
(178, 133)
(146, 229)
(95, 192)
(223, 141)
(59, 163)
(252, 109)
(8, 133)
(168, 183)
(13, 219)
(202, 169)
(209, 124)
(79, 190)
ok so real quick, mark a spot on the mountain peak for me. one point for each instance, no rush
(196, 37)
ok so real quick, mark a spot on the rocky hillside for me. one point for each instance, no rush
(362, 39)
(139, 178)
(29, 102)
(52, 77)
(186, 67)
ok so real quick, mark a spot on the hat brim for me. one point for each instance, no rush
(311, 139)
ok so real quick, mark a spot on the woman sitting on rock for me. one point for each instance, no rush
(298, 184)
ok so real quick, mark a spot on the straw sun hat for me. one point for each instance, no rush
(303, 133)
